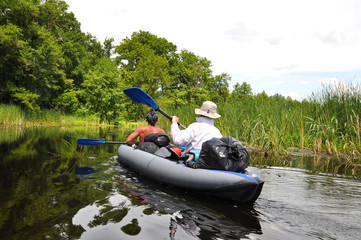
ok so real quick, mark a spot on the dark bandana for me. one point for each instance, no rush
(152, 118)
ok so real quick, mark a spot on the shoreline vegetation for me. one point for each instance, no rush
(273, 128)
(15, 116)
(328, 123)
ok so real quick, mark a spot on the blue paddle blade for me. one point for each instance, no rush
(89, 142)
(139, 96)
(85, 171)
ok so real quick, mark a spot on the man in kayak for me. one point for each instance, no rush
(198, 132)
(142, 131)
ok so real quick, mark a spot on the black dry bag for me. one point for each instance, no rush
(161, 139)
(226, 153)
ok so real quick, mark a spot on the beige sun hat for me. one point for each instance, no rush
(208, 109)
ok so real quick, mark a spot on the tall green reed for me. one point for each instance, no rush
(11, 115)
(328, 121)
(259, 123)
(268, 124)
(335, 122)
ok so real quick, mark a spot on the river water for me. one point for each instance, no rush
(52, 188)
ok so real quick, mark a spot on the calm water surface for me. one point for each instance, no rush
(51, 188)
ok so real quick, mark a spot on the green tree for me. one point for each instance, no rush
(44, 55)
(12, 60)
(191, 75)
(218, 87)
(108, 47)
(175, 78)
(101, 91)
(144, 61)
(131, 49)
(241, 90)
(35, 76)
(262, 98)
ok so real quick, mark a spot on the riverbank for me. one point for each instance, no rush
(14, 116)
(11, 115)
(328, 123)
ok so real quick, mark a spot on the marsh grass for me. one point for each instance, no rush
(14, 116)
(270, 126)
(328, 122)
(336, 118)
(11, 115)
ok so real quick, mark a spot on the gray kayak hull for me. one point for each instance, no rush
(243, 187)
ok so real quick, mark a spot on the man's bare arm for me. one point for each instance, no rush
(132, 138)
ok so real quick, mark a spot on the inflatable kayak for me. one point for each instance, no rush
(244, 187)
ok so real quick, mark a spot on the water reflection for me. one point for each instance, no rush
(309, 205)
(87, 173)
(52, 188)
(39, 189)
(188, 225)
(314, 163)
(205, 226)
(196, 216)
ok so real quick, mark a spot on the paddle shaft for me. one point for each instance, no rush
(169, 117)
(113, 142)
(92, 142)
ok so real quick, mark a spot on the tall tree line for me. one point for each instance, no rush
(47, 62)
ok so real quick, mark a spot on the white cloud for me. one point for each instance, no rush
(331, 81)
(259, 42)
(304, 82)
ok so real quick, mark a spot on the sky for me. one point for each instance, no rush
(287, 47)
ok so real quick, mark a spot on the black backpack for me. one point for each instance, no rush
(226, 153)
(161, 139)
(154, 141)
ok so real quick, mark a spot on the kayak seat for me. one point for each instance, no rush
(169, 153)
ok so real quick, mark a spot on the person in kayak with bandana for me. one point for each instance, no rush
(142, 131)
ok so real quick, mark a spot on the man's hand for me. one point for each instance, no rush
(175, 119)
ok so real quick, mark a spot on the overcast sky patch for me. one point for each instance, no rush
(259, 42)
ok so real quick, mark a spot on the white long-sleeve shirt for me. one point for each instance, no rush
(195, 134)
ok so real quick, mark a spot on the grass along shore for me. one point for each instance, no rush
(327, 123)
(14, 116)
(11, 115)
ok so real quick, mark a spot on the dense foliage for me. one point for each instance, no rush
(48, 63)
